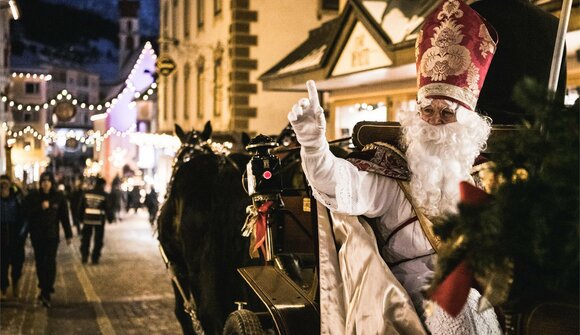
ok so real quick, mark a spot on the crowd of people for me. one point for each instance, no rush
(40, 211)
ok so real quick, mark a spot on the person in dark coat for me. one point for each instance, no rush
(527, 36)
(45, 209)
(75, 196)
(116, 198)
(152, 204)
(13, 231)
(95, 208)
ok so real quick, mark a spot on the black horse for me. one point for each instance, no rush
(199, 229)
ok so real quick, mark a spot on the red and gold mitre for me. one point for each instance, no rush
(454, 50)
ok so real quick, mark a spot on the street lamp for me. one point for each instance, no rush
(13, 8)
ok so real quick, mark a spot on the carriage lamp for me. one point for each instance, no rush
(263, 170)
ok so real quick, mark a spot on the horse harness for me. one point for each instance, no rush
(189, 304)
(182, 156)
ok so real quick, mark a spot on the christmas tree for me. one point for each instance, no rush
(521, 243)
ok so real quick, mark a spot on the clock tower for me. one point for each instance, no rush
(129, 38)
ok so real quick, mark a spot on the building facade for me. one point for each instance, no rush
(7, 13)
(364, 63)
(29, 119)
(212, 53)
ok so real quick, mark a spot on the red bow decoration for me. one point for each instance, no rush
(261, 226)
(452, 293)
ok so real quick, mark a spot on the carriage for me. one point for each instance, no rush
(282, 293)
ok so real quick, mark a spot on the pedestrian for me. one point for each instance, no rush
(152, 204)
(116, 198)
(95, 209)
(46, 208)
(75, 196)
(400, 191)
(13, 229)
(134, 199)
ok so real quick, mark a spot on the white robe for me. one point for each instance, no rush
(359, 293)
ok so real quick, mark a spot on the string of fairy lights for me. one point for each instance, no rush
(49, 135)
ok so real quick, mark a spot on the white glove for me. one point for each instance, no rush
(307, 119)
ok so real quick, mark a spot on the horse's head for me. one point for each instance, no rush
(287, 137)
(192, 143)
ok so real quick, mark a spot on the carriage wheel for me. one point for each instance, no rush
(243, 322)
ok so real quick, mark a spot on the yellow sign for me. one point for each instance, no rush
(165, 65)
(361, 53)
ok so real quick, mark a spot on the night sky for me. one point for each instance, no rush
(80, 33)
(149, 11)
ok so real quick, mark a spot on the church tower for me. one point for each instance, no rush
(129, 38)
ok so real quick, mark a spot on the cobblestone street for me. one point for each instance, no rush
(128, 292)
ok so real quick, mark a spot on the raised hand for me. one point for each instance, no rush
(307, 119)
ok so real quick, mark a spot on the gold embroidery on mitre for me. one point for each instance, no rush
(450, 8)
(446, 57)
(460, 94)
(473, 79)
(487, 44)
(418, 43)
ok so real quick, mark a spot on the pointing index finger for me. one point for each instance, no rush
(312, 93)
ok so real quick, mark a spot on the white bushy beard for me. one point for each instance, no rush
(441, 156)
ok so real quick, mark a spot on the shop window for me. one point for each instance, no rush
(32, 88)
